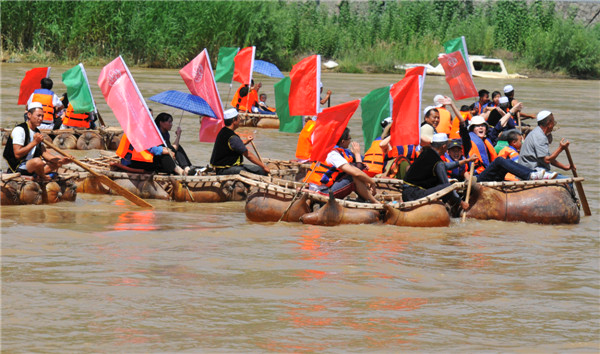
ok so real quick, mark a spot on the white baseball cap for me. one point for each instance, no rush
(508, 88)
(439, 138)
(33, 105)
(543, 115)
(230, 113)
(437, 100)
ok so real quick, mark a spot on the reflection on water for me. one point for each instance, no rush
(101, 275)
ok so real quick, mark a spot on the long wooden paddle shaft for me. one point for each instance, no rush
(298, 192)
(584, 202)
(471, 170)
(256, 151)
(100, 119)
(105, 180)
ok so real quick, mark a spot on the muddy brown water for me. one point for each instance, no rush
(99, 275)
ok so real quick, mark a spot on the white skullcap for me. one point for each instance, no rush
(503, 100)
(230, 113)
(427, 109)
(542, 115)
(439, 138)
(437, 100)
(320, 84)
(508, 88)
(385, 122)
(33, 105)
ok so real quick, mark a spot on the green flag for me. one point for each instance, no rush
(375, 108)
(225, 64)
(287, 123)
(455, 44)
(78, 89)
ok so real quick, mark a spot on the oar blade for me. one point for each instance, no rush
(123, 192)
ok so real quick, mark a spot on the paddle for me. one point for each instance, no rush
(299, 191)
(471, 170)
(100, 118)
(584, 202)
(105, 180)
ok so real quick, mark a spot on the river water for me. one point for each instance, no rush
(99, 275)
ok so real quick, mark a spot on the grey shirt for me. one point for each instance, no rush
(535, 148)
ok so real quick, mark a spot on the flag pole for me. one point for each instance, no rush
(298, 192)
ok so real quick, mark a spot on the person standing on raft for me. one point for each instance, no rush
(229, 150)
(24, 151)
(340, 174)
(51, 104)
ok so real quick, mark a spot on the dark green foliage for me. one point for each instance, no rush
(373, 35)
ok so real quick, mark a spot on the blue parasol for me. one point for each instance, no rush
(185, 101)
(268, 69)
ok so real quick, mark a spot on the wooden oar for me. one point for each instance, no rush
(299, 191)
(105, 180)
(584, 202)
(471, 170)
(100, 119)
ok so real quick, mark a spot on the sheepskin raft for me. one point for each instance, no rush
(21, 190)
(543, 202)
(267, 121)
(105, 138)
(271, 197)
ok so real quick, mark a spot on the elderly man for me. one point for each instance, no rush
(535, 152)
(24, 151)
(229, 150)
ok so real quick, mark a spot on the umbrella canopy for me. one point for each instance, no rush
(266, 68)
(185, 101)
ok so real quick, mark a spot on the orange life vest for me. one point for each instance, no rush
(304, 147)
(323, 167)
(240, 103)
(374, 159)
(445, 124)
(509, 153)
(46, 101)
(126, 151)
(491, 153)
(73, 119)
(455, 130)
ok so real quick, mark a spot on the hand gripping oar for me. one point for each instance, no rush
(105, 180)
(584, 202)
(471, 170)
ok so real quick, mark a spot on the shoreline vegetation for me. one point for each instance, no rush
(362, 37)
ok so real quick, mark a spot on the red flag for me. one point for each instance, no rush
(200, 80)
(32, 81)
(457, 75)
(406, 111)
(329, 128)
(305, 77)
(244, 65)
(128, 105)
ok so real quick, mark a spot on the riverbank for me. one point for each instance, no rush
(368, 37)
(512, 66)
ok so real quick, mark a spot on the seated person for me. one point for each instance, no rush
(428, 175)
(24, 150)
(76, 120)
(454, 153)
(245, 98)
(50, 103)
(229, 150)
(170, 159)
(262, 105)
(339, 174)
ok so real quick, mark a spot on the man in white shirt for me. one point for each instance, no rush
(24, 151)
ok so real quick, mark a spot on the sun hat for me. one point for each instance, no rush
(508, 88)
(230, 113)
(543, 115)
(477, 120)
